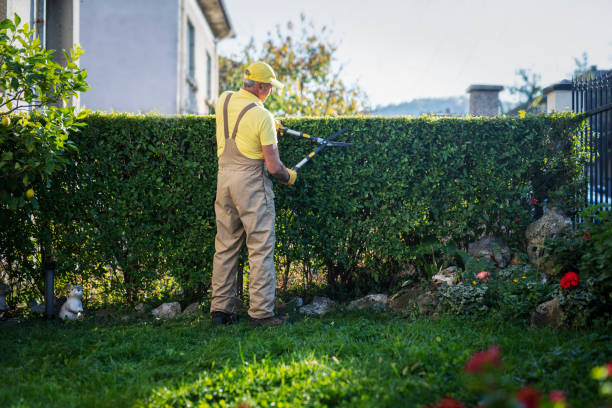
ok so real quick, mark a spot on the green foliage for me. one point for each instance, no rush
(580, 305)
(332, 361)
(303, 58)
(136, 200)
(33, 144)
(363, 210)
(517, 290)
(587, 250)
(469, 298)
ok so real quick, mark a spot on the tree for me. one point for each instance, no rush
(35, 118)
(304, 62)
(529, 90)
(35, 123)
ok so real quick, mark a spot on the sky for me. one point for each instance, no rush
(399, 50)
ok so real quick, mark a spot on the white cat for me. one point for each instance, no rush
(72, 309)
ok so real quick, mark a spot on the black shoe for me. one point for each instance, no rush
(271, 321)
(221, 318)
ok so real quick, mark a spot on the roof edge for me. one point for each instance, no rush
(217, 17)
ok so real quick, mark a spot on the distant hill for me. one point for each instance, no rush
(454, 105)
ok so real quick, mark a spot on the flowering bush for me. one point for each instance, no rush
(569, 279)
(484, 376)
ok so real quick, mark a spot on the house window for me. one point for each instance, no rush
(190, 50)
(208, 77)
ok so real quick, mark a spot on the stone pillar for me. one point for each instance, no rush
(484, 99)
(559, 97)
(62, 29)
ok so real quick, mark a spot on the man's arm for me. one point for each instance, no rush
(273, 163)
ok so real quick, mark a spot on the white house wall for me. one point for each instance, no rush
(204, 43)
(130, 54)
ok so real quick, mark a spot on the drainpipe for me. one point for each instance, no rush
(49, 283)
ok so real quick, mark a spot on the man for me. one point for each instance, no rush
(246, 147)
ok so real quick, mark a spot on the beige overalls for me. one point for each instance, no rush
(244, 206)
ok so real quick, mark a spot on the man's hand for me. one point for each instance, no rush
(292, 177)
(278, 125)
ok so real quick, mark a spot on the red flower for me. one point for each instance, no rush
(532, 201)
(483, 360)
(528, 396)
(516, 219)
(447, 402)
(556, 396)
(569, 279)
(609, 367)
(587, 235)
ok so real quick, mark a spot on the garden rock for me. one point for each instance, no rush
(427, 303)
(140, 308)
(446, 276)
(167, 310)
(192, 309)
(550, 225)
(492, 248)
(406, 299)
(319, 306)
(547, 314)
(376, 301)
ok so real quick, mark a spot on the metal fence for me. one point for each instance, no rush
(592, 94)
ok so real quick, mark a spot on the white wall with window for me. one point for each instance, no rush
(198, 71)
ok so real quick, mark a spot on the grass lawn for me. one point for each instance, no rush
(343, 359)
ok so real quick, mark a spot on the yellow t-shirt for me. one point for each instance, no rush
(256, 127)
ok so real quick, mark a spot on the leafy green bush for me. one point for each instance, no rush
(517, 291)
(464, 299)
(586, 250)
(34, 145)
(136, 200)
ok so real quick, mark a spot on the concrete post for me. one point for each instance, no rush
(62, 29)
(484, 100)
(559, 97)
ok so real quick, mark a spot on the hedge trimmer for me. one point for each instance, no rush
(323, 142)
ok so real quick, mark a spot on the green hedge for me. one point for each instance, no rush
(138, 197)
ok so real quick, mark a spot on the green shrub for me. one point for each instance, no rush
(469, 298)
(586, 250)
(136, 200)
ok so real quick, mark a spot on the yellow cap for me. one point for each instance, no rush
(262, 72)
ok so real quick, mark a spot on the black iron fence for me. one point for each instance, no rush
(592, 94)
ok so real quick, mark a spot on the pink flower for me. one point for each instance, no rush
(556, 396)
(516, 219)
(484, 275)
(483, 360)
(532, 201)
(569, 279)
